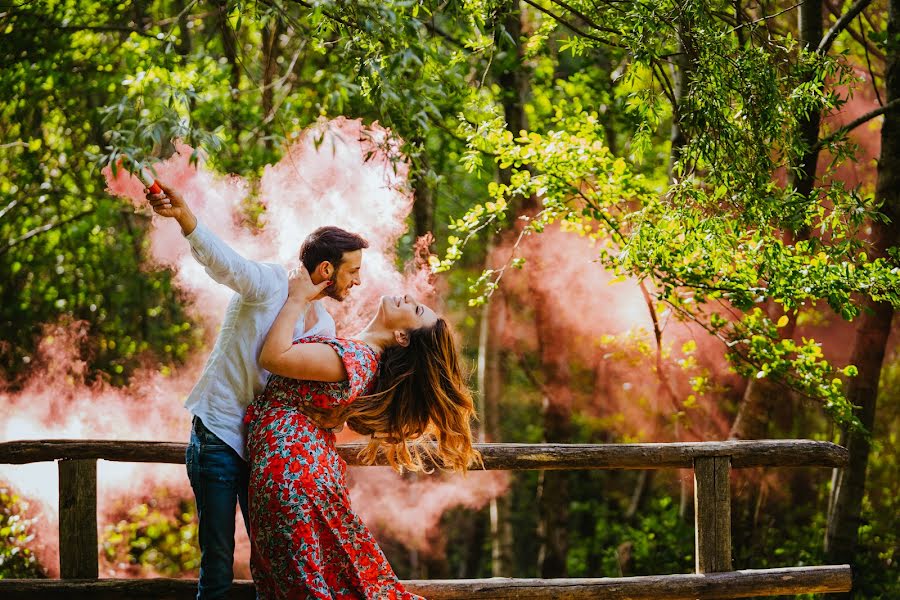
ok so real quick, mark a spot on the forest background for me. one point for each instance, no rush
(651, 221)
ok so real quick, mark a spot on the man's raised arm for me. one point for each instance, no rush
(252, 280)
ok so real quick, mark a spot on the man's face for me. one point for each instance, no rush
(346, 276)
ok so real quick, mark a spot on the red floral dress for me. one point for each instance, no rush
(306, 541)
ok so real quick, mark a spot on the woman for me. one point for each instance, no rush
(398, 381)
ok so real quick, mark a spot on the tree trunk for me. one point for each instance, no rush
(470, 567)
(553, 486)
(681, 73)
(139, 14)
(490, 378)
(424, 193)
(871, 337)
(229, 45)
(184, 37)
(803, 176)
(271, 48)
(514, 82)
(515, 88)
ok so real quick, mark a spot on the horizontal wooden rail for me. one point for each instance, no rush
(681, 455)
(711, 461)
(734, 584)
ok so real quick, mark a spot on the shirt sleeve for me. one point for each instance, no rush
(252, 280)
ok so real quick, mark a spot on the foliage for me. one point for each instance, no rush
(658, 541)
(713, 239)
(150, 538)
(16, 533)
(72, 251)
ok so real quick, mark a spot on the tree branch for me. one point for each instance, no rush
(8, 208)
(441, 33)
(665, 84)
(657, 333)
(855, 123)
(568, 25)
(869, 66)
(860, 39)
(767, 17)
(101, 28)
(42, 229)
(331, 16)
(842, 23)
(588, 21)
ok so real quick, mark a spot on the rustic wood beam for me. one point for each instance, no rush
(78, 519)
(736, 584)
(712, 514)
(743, 453)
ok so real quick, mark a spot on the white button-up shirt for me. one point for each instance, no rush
(232, 375)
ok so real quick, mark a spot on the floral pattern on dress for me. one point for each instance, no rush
(306, 541)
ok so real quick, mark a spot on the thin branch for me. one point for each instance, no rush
(568, 25)
(869, 66)
(101, 28)
(855, 123)
(174, 20)
(8, 208)
(331, 16)
(42, 229)
(842, 23)
(593, 24)
(512, 255)
(860, 39)
(657, 333)
(768, 17)
(666, 85)
(456, 136)
(441, 33)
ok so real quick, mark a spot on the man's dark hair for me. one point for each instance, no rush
(329, 243)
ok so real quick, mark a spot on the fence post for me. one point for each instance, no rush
(78, 519)
(712, 513)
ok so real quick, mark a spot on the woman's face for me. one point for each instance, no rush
(404, 313)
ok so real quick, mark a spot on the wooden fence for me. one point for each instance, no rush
(711, 462)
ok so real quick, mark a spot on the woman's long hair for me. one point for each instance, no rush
(421, 405)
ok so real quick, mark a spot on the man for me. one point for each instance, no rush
(215, 459)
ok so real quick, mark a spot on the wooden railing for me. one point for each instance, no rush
(711, 461)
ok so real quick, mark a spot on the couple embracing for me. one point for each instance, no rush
(276, 385)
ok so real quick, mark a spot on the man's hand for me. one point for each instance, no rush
(171, 205)
(301, 288)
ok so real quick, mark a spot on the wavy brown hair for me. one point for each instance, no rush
(421, 407)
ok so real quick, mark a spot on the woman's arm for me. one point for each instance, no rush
(279, 355)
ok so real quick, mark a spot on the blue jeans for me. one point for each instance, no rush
(220, 478)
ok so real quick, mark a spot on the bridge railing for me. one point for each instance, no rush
(711, 462)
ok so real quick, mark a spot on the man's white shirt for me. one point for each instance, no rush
(232, 375)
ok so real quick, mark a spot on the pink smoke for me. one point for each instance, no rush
(337, 173)
(867, 137)
(385, 501)
(565, 307)
(57, 403)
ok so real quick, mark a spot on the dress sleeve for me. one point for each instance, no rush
(361, 366)
(360, 362)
